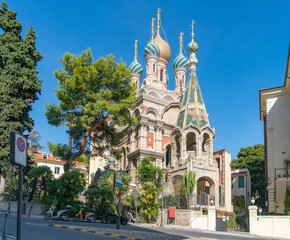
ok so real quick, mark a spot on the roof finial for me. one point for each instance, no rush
(158, 21)
(192, 29)
(152, 29)
(135, 58)
(180, 44)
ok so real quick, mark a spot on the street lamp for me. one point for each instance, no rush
(157, 178)
(211, 202)
(253, 200)
(260, 210)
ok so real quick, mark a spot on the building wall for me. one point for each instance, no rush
(52, 167)
(95, 163)
(278, 142)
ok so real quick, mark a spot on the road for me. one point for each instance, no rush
(40, 229)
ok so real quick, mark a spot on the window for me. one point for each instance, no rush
(57, 158)
(154, 68)
(232, 182)
(44, 156)
(168, 156)
(101, 162)
(161, 75)
(241, 182)
(56, 170)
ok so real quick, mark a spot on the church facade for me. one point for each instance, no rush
(173, 126)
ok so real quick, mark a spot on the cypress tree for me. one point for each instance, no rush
(19, 84)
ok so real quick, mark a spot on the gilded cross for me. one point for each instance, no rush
(158, 20)
(135, 59)
(180, 43)
(192, 28)
(152, 29)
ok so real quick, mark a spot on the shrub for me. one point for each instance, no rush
(170, 201)
(287, 205)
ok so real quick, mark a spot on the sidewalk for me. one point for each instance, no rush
(25, 216)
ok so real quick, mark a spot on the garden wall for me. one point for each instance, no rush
(270, 226)
(38, 208)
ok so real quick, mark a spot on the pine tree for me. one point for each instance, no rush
(19, 84)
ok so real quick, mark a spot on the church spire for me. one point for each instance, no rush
(152, 29)
(135, 57)
(158, 21)
(180, 44)
(192, 110)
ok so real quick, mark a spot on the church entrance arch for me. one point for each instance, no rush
(179, 190)
(205, 191)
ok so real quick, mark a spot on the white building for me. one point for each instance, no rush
(275, 113)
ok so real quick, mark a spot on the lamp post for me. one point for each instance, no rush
(157, 178)
(253, 200)
(260, 210)
(211, 202)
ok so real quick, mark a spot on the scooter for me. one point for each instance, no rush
(111, 217)
(61, 214)
(89, 216)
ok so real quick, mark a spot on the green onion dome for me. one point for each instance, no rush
(192, 47)
(135, 67)
(180, 61)
(152, 48)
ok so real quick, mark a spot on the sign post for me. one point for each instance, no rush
(118, 184)
(18, 156)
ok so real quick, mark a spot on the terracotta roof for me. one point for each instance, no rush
(51, 158)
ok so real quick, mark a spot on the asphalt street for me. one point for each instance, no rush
(38, 228)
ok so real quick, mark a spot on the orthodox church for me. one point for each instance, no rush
(173, 126)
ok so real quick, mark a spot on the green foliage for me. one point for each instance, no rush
(66, 189)
(19, 84)
(59, 150)
(147, 172)
(107, 181)
(149, 204)
(287, 205)
(34, 138)
(253, 159)
(232, 222)
(238, 201)
(32, 176)
(89, 92)
(102, 199)
(129, 203)
(189, 184)
(170, 201)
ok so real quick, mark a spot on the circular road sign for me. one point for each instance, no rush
(20, 144)
(38, 185)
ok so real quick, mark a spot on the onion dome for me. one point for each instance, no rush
(152, 48)
(111, 160)
(135, 67)
(192, 46)
(180, 61)
(164, 47)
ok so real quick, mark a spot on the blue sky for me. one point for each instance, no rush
(243, 47)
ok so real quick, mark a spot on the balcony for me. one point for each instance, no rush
(282, 172)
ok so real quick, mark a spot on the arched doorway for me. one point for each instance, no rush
(191, 142)
(205, 191)
(179, 191)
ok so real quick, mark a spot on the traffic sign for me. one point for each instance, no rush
(118, 180)
(18, 149)
(38, 185)
(135, 194)
(40, 179)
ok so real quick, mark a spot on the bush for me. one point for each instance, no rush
(170, 201)
(287, 205)
(232, 222)
(102, 199)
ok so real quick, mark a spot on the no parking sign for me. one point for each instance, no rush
(18, 149)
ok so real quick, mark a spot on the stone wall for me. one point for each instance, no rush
(38, 208)
(182, 217)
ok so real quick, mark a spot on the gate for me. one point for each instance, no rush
(221, 225)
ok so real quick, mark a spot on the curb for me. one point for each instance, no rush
(94, 232)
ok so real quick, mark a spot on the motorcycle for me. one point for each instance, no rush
(61, 214)
(111, 217)
(89, 216)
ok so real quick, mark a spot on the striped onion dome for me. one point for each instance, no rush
(152, 48)
(135, 67)
(180, 61)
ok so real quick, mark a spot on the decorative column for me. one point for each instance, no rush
(143, 137)
(132, 139)
(173, 154)
(199, 148)
(182, 142)
(158, 138)
(211, 152)
(252, 219)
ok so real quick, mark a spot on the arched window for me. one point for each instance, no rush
(168, 155)
(182, 79)
(154, 67)
(161, 75)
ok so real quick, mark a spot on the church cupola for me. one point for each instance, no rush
(180, 65)
(136, 69)
(192, 110)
